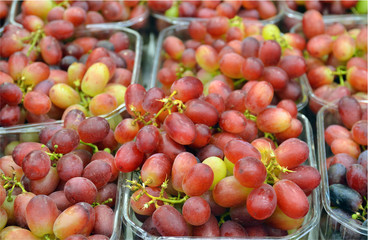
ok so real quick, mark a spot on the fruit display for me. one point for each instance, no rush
(204, 164)
(294, 9)
(335, 54)
(174, 11)
(183, 119)
(342, 147)
(125, 13)
(233, 54)
(60, 181)
(45, 76)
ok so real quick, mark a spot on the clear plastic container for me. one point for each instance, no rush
(133, 22)
(329, 115)
(349, 21)
(181, 31)
(292, 17)
(184, 20)
(25, 133)
(309, 229)
(104, 31)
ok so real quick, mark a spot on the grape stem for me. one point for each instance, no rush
(12, 182)
(94, 147)
(109, 200)
(250, 116)
(135, 185)
(222, 218)
(272, 137)
(340, 71)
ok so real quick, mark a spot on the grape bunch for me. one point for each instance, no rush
(81, 13)
(201, 162)
(62, 187)
(347, 167)
(329, 7)
(336, 60)
(226, 53)
(89, 72)
(246, 9)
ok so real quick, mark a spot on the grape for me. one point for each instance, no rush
(149, 227)
(197, 173)
(104, 222)
(60, 200)
(320, 45)
(359, 132)
(156, 169)
(336, 174)
(103, 103)
(77, 219)
(63, 96)
(350, 111)
(23, 149)
(252, 68)
(138, 205)
(206, 57)
(261, 202)
(250, 172)
(174, 47)
(306, 177)
(200, 111)
(75, 15)
(80, 189)
(50, 50)
(36, 165)
(231, 65)
(134, 96)
(294, 66)
(273, 120)
(10, 94)
(117, 90)
(313, 24)
(241, 215)
(356, 177)
(126, 130)
(232, 121)
(181, 165)
(345, 145)
(73, 119)
(217, 101)
(96, 125)
(128, 157)
(66, 140)
(203, 136)
(180, 128)
(343, 47)
(169, 146)
(296, 207)
(232, 229)
(217, 26)
(112, 11)
(209, 229)
(106, 192)
(3, 219)
(169, 222)
(259, 97)
(147, 139)
(357, 78)
(196, 211)
(37, 103)
(292, 153)
(237, 149)
(218, 167)
(15, 232)
(59, 29)
(187, 88)
(219, 87)
(343, 158)
(270, 52)
(228, 192)
(8, 206)
(197, 30)
(41, 213)
(35, 73)
(95, 79)
(77, 237)
(9, 115)
(20, 204)
(266, 9)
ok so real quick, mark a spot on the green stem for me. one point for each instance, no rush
(94, 147)
(250, 116)
(222, 218)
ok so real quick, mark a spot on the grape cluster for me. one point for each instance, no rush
(199, 154)
(336, 63)
(347, 167)
(225, 53)
(45, 78)
(80, 13)
(248, 9)
(65, 186)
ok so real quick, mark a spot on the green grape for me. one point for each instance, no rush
(218, 167)
(229, 166)
(63, 95)
(95, 79)
(270, 32)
